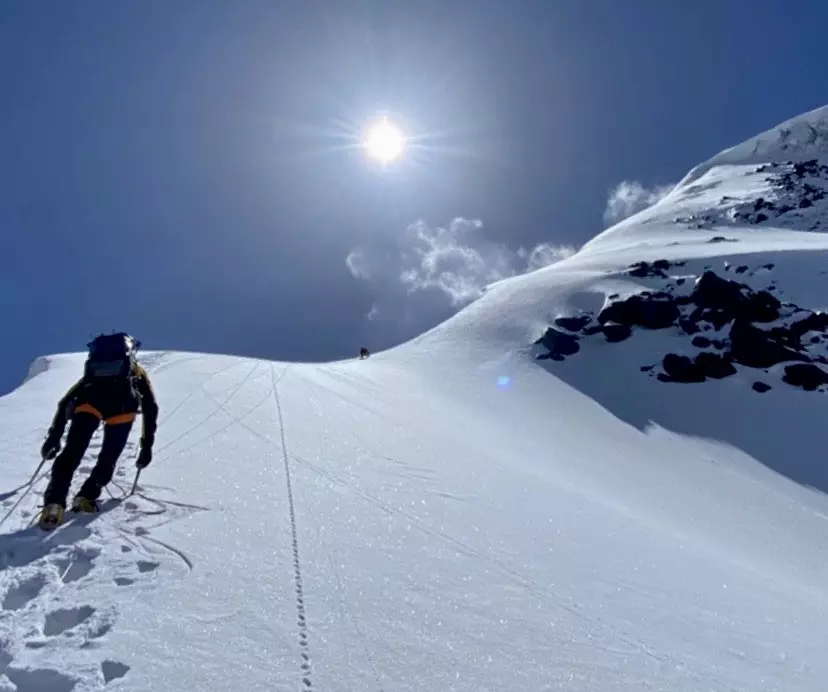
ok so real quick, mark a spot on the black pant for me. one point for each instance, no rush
(81, 429)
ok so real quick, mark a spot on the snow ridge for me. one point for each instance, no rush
(802, 137)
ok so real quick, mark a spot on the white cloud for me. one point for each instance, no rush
(357, 265)
(442, 267)
(630, 197)
(545, 254)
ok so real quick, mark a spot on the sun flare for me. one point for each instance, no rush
(383, 141)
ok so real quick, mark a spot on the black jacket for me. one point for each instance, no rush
(108, 406)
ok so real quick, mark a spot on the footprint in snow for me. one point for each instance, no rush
(39, 679)
(112, 670)
(77, 564)
(82, 626)
(147, 566)
(59, 621)
(5, 656)
(24, 592)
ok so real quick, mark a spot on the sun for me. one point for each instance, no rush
(383, 141)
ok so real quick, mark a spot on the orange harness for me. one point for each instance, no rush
(114, 420)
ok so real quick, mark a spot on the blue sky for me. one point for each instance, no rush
(187, 171)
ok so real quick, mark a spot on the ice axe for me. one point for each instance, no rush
(135, 482)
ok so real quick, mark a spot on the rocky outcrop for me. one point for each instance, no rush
(716, 366)
(558, 344)
(733, 300)
(659, 268)
(794, 187)
(651, 310)
(756, 348)
(805, 375)
(728, 325)
(680, 369)
(574, 324)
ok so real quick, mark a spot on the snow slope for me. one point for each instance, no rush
(452, 514)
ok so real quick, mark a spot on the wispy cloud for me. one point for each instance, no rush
(443, 267)
(630, 197)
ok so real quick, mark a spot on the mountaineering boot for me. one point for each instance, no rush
(82, 504)
(51, 516)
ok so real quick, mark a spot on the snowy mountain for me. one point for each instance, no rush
(574, 483)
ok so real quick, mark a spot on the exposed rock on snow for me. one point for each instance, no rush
(752, 328)
(680, 369)
(558, 344)
(715, 365)
(647, 309)
(805, 375)
(574, 324)
(734, 300)
(756, 348)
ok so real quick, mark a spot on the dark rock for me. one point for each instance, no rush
(805, 203)
(722, 239)
(647, 368)
(639, 270)
(755, 348)
(741, 269)
(784, 336)
(712, 291)
(761, 387)
(716, 317)
(648, 310)
(805, 375)
(768, 266)
(715, 365)
(680, 281)
(594, 329)
(688, 326)
(761, 306)
(760, 218)
(734, 299)
(701, 342)
(814, 322)
(617, 332)
(575, 323)
(644, 269)
(559, 344)
(680, 369)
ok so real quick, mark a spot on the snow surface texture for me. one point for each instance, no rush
(455, 514)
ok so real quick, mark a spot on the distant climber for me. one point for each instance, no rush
(114, 389)
(363, 353)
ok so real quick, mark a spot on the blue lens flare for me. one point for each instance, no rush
(504, 381)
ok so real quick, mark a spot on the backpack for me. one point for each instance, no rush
(110, 364)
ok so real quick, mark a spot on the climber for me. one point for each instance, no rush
(363, 353)
(114, 389)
